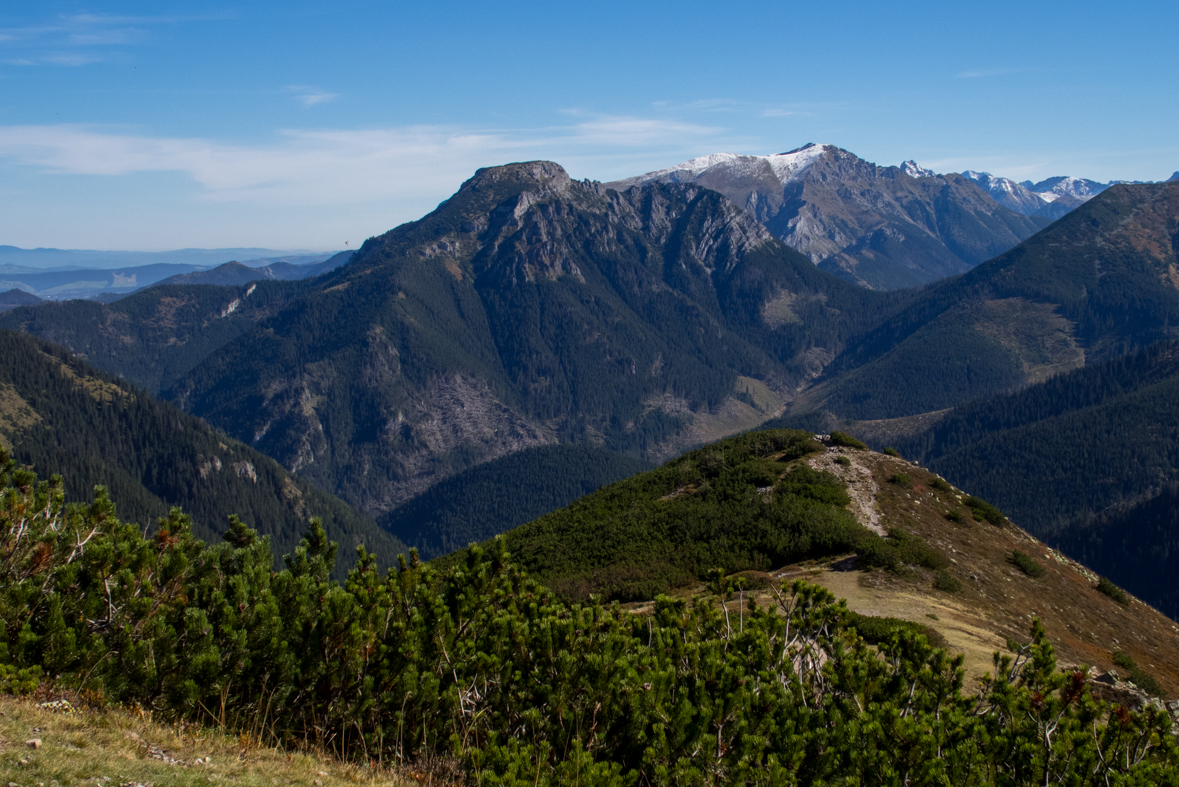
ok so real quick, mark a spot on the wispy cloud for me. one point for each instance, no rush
(80, 39)
(309, 96)
(345, 166)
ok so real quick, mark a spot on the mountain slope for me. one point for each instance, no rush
(13, 299)
(1098, 283)
(876, 226)
(59, 414)
(154, 336)
(493, 497)
(1102, 444)
(529, 310)
(891, 537)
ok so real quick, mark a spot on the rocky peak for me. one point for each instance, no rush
(915, 170)
(543, 178)
(832, 206)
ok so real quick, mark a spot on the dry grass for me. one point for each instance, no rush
(113, 747)
(998, 601)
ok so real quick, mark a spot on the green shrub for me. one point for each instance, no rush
(843, 460)
(984, 511)
(901, 480)
(893, 452)
(1113, 591)
(954, 516)
(945, 582)
(1026, 564)
(940, 484)
(900, 549)
(1138, 676)
(846, 440)
(19, 681)
(880, 630)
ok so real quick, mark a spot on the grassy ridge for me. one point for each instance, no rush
(737, 505)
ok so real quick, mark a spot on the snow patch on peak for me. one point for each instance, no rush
(789, 166)
(915, 170)
(695, 166)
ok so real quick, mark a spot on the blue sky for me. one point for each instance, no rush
(305, 124)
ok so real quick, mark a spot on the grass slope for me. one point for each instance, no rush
(1083, 460)
(81, 746)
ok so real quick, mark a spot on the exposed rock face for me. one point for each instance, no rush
(882, 227)
(527, 309)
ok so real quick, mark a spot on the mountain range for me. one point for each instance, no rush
(532, 311)
(1051, 198)
(881, 227)
(1098, 283)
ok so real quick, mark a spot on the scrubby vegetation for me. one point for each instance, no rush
(1138, 676)
(846, 440)
(738, 505)
(1104, 585)
(946, 582)
(984, 511)
(1027, 564)
(481, 664)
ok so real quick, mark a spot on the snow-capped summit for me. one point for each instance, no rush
(785, 166)
(1008, 193)
(915, 170)
(1064, 186)
(857, 219)
(791, 164)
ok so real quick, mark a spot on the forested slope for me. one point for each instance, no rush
(1096, 284)
(1084, 460)
(488, 499)
(154, 336)
(59, 414)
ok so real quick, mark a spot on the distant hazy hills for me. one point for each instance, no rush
(235, 274)
(61, 415)
(882, 227)
(61, 283)
(65, 259)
